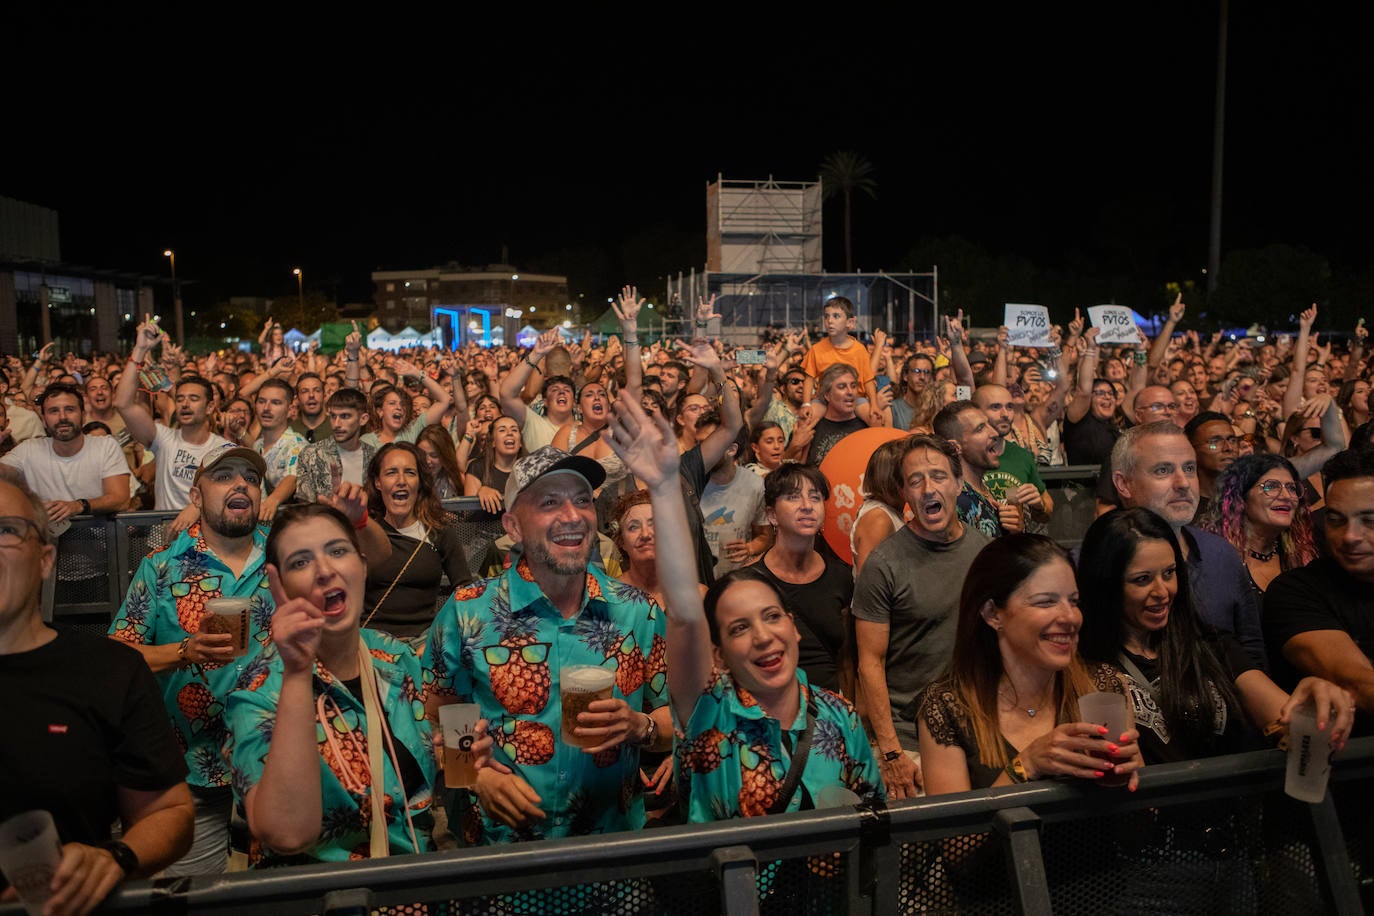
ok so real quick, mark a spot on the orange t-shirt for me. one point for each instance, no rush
(825, 354)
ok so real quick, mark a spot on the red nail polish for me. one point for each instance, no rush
(1112, 747)
(1102, 729)
(1097, 775)
(1132, 788)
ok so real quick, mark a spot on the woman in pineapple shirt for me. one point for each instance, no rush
(760, 739)
(302, 721)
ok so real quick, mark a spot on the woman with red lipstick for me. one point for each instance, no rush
(326, 698)
(1261, 508)
(760, 739)
(1007, 712)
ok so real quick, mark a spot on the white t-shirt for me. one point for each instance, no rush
(177, 461)
(81, 476)
(730, 512)
(352, 463)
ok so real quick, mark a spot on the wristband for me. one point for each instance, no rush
(1016, 770)
(889, 756)
(532, 365)
(1140, 357)
(181, 650)
(85, 506)
(137, 363)
(650, 732)
(360, 525)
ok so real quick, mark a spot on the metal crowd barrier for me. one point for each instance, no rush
(1074, 491)
(98, 555)
(1049, 847)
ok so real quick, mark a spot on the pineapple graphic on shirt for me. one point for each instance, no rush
(526, 743)
(704, 753)
(520, 678)
(760, 780)
(198, 705)
(135, 619)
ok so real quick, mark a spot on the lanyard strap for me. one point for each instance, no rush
(799, 755)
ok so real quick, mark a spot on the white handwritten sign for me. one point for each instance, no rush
(1027, 325)
(1116, 324)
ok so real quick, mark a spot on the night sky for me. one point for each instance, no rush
(257, 143)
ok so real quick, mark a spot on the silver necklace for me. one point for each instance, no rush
(1029, 710)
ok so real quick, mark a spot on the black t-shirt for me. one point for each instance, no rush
(828, 434)
(1231, 732)
(1089, 441)
(83, 716)
(1318, 596)
(818, 607)
(412, 604)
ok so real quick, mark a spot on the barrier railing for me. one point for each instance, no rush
(1202, 836)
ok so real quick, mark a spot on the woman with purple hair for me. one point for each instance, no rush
(1262, 509)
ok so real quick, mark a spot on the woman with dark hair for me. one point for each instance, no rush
(303, 723)
(816, 589)
(1353, 400)
(883, 505)
(403, 589)
(436, 445)
(486, 476)
(273, 343)
(768, 442)
(1196, 692)
(759, 737)
(393, 416)
(1261, 508)
(1007, 712)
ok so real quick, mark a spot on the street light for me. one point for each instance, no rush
(176, 298)
(300, 291)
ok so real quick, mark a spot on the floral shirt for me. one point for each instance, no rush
(734, 760)
(345, 776)
(165, 604)
(281, 457)
(977, 512)
(314, 474)
(501, 643)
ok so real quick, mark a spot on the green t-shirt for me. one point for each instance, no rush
(1017, 467)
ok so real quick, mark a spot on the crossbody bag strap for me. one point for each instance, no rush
(1131, 668)
(378, 606)
(799, 755)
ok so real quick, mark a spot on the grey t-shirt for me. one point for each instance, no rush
(913, 586)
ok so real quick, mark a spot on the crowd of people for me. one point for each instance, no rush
(655, 510)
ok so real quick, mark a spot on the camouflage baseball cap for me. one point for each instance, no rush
(549, 460)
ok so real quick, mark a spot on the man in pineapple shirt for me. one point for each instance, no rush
(220, 556)
(505, 643)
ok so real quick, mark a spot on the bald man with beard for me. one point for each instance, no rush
(1016, 477)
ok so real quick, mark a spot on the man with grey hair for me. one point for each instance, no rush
(1154, 467)
(820, 428)
(509, 644)
(90, 741)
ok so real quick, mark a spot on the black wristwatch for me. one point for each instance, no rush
(85, 507)
(124, 857)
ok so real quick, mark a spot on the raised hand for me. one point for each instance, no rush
(350, 499)
(879, 339)
(145, 338)
(628, 308)
(1177, 309)
(1076, 325)
(405, 368)
(354, 341)
(704, 355)
(1308, 316)
(644, 443)
(706, 309)
(1361, 332)
(954, 328)
(1003, 338)
(296, 627)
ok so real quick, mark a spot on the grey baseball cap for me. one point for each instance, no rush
(549, 460)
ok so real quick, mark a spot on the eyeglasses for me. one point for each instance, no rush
(915, 371)
(1271, 488)
(14, 530)
(1223, 443)
(1161, 407)
(1104, 393)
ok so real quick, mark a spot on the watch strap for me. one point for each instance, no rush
(124, 857)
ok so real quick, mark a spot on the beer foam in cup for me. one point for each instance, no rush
(585, 679)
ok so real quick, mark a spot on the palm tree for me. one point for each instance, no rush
(845, 172)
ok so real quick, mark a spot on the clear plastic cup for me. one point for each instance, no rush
(30, 851)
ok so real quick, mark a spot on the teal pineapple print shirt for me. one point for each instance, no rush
(165, 604)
